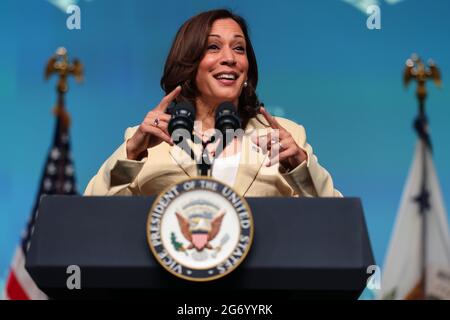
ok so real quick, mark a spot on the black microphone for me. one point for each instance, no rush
(227, 123)
(181, 125)
(227, 118)
(183, 117)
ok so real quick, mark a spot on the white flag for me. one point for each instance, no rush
(402, 273)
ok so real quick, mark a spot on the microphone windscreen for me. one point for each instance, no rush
(187, 107)
(183, 117)
(225, 107)
(227, 117)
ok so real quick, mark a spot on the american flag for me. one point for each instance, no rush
(57, 178)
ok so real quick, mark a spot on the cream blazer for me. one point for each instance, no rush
(166, 165)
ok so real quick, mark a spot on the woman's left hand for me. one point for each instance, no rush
(281, 145)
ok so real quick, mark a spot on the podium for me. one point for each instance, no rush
(303, 248)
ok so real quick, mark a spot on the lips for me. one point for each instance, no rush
(226, 74)
(226, 78)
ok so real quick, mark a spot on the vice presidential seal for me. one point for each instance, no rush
(200, 229)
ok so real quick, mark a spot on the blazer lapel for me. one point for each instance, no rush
(184, 160)
(252, 158)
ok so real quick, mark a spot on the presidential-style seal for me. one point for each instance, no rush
(200, 229)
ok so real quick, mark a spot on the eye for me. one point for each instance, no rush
(213, 47)
(240, 49)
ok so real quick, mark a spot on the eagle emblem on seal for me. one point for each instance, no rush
(200, 228)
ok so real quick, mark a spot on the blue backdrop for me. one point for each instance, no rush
(319, 65)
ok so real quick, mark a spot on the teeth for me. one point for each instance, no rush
(226, 76)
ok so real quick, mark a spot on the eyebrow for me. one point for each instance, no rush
(218, 36)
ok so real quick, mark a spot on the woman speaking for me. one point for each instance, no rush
(212, 61)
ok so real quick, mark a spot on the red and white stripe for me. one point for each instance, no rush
(19, 285)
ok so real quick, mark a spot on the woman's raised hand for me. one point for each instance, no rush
(281, 145)
(153, 130)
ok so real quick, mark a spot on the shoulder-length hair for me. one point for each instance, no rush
(188, 49)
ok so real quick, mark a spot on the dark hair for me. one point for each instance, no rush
(189, 47)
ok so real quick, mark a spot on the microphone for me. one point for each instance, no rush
(227, 122)
(183, 117)
(181, 125)
(227, 118)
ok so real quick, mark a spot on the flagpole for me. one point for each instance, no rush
(423, 192)
(59, 64)
(416, 70)
(61, 128)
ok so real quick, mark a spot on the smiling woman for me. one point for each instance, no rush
(212, 58)
(212, 61)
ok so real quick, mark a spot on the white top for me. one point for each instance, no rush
(225, 168)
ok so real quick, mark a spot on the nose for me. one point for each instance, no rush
(228, 58)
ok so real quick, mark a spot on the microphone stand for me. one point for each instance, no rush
(205, 164)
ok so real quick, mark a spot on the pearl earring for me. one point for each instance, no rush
(245, 84)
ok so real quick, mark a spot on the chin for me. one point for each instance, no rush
(222, 96)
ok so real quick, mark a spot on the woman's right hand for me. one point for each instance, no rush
(153, 130)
